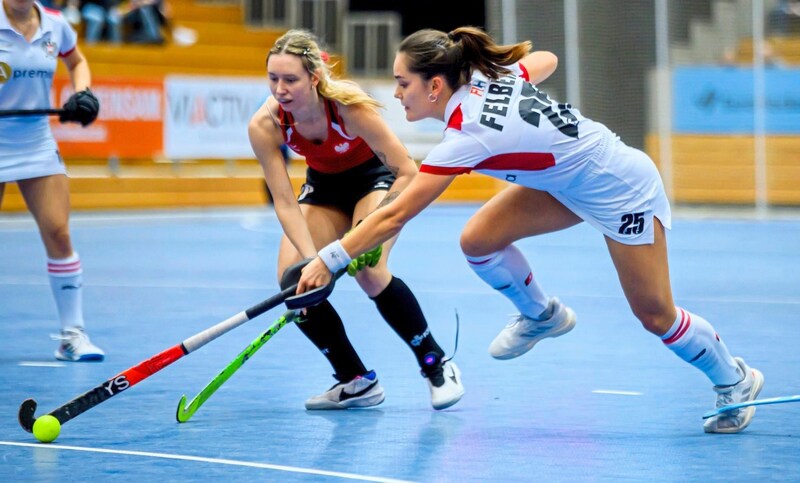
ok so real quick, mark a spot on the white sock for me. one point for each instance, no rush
(508, 272)
(66, 282)
(694, 340)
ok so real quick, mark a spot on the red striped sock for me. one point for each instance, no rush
(694, 340)
(66, 280)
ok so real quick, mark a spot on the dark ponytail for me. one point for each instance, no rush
(454, 55)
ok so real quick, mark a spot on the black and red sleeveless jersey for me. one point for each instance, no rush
(338, 153)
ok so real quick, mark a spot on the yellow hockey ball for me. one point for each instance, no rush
(46, 428)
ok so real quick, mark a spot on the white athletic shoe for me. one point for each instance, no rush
(745, 390)
(522, 333)
(76, 346)
(445, 385)
(362, 392)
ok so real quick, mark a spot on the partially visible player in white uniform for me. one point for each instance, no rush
(564, 169)
(31, 39)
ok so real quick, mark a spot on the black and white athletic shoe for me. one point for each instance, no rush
(362, 392)
(445, 385)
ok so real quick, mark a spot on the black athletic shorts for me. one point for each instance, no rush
(343, 190)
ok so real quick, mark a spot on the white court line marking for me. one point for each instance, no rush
(221, 461)
(26, 223)
(618, 393)
(41, 364)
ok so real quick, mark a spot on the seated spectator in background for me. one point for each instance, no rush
(135, 21)
(69, 9)
(150, 22)
(102, 20)
(144, 20)
(179, 35)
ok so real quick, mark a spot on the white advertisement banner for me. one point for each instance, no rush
(207, 117)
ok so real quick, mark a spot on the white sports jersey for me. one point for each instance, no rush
(27, 147)
(508, 129)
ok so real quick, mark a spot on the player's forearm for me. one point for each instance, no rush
(295, 228)
(399, 185)
(403, 178)
(81, 76)
(376, 228)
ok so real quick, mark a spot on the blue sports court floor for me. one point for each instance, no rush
(604, 403)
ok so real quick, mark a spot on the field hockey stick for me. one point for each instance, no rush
(132, 376)
(754, 402)
(29, 112)
(184, 413)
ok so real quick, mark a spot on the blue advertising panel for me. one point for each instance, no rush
(720, 100)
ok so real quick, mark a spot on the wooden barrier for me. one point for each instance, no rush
(104, 192)
(208, 183)
(782, 49)
(721, 169)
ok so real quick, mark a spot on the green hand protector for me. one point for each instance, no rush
(368, 259)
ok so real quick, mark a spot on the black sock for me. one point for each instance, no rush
(325, 329)
(402, 312)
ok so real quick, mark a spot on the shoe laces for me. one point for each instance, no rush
(532, 329)
(73, 334)
(515, 319)
(724, 399)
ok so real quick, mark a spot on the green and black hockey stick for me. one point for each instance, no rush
(184, 413)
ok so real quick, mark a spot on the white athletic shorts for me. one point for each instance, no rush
(30, 165)
(619, 194)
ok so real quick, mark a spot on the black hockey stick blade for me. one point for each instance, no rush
(312, 297)
(26, 411)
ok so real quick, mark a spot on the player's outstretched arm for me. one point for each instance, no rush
(381, 225)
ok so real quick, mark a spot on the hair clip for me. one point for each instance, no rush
(306, 51)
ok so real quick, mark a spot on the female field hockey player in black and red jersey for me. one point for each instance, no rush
(355, 163)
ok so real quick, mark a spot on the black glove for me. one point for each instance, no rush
(81, 107)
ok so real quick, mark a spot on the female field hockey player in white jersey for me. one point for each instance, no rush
(353, 161)
(31, 39)
(564, 169)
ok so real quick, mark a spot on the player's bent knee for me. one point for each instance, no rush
(655, 322)
(470, 245)
(371, 275)
(474, 246)
(373, 280)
